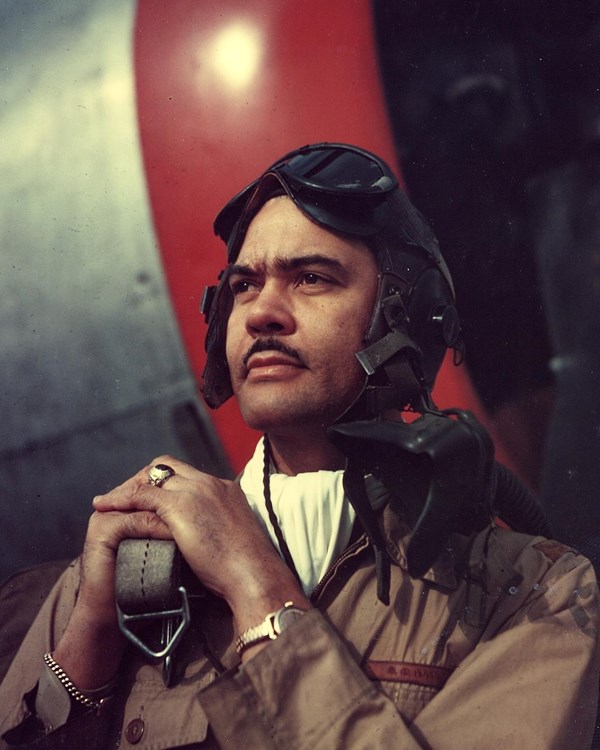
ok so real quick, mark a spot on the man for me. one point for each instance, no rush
(323, 625)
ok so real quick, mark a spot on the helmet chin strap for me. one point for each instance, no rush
(389, 359)
(391, 364)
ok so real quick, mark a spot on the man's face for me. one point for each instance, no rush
(303, 298)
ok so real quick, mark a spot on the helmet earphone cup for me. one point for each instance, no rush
(216, 378)
(414, 321)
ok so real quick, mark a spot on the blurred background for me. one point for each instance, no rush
(126, 125)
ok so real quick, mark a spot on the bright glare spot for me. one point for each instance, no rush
(116, 89)
(235, 54)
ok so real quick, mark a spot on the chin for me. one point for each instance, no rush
(273, 423)
(282, 421)
(291, 409)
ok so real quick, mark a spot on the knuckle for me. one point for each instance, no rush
(149, 522)
(138, 488)
(94, 521)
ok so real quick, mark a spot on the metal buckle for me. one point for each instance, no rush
(171, 634)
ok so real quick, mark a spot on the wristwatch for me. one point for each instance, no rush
(272, 626)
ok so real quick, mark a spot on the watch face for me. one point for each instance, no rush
(285, 617)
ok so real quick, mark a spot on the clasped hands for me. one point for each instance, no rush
(217, 533)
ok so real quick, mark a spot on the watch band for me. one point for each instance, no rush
(271, 627)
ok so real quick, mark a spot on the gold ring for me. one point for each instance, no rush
(159, 474)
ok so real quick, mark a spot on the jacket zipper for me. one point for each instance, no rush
(355, 547)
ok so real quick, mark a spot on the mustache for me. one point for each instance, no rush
(271, 344)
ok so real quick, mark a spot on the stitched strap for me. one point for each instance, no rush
(150, 595)
(148, 575)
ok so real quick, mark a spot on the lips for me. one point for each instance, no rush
(272, 366)
(268, 359)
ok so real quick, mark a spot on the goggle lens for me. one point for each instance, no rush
(336, 169)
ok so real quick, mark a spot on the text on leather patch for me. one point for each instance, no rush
(414, 674)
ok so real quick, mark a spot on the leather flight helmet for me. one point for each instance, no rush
(353, 192)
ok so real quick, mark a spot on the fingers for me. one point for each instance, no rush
(137, 493)
(110, 528)
(120, 519)
(131, 496)
(98, 562)
(209, 519)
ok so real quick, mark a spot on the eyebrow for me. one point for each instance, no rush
(291, 264)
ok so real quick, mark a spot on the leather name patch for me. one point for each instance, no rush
(413, 674)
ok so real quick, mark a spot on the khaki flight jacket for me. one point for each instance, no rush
(496, 646)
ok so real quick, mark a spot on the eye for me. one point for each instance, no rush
(241, 286)
(310, 278)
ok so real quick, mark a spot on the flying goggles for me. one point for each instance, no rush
(341, 187)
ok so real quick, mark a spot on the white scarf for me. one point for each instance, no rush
(314, 515)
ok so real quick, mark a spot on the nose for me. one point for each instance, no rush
(270, 312)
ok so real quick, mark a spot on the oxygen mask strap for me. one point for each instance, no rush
(355, 489)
